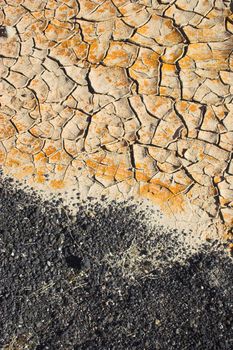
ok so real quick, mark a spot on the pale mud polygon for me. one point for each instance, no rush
(121, 98)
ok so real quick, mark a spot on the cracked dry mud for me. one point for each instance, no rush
(120, 98)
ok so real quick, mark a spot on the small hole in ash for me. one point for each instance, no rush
(74, 262)
(3, 32)
(40, 347)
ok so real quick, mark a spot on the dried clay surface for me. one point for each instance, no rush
(120, 98)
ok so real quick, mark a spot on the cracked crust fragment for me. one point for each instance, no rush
(120, 98)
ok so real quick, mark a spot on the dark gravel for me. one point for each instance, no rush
(68, 282)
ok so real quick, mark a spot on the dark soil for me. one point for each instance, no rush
(63, 284)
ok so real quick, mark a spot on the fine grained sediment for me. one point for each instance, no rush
(103, 279)
(120, 97)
